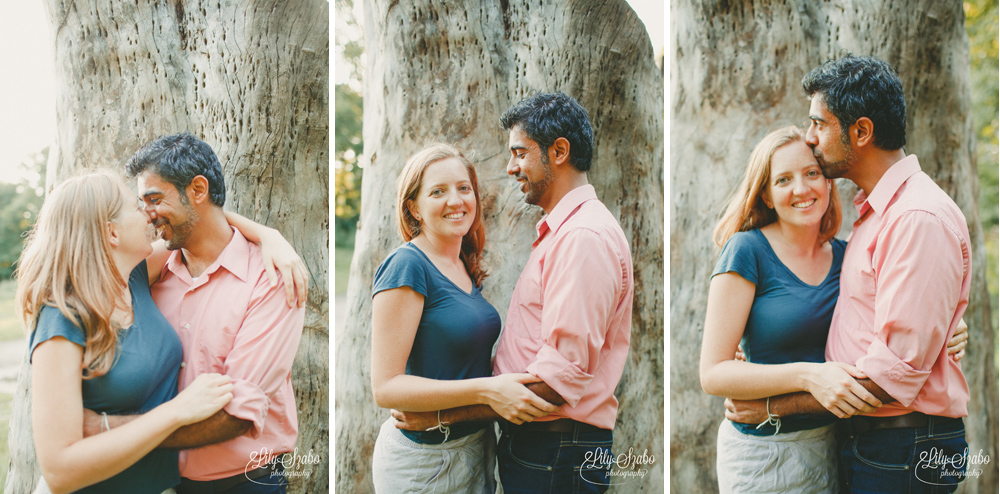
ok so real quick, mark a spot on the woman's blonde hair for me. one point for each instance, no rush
(67, 264)
(407, 188)
(746, 209)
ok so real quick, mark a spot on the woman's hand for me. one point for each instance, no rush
(508, 396)
(834, 386)
(958, 341)
(207, 394)
(279, 254)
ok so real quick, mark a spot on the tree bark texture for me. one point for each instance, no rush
(252, 80)
(736, 75)
(445, 71)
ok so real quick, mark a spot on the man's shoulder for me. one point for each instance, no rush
(920, 193)
(595, 216)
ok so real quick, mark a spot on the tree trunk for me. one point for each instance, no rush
(736, 75)
(445, 71)
(249, 78)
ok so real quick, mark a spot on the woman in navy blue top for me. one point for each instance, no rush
(774, 290)
(433, 335)
(98, 342)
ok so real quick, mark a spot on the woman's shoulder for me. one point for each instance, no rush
(51, 323)
(404, 266)
(743, 241)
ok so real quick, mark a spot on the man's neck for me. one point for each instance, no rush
(872, 166)
(562, 186)
(210, 238)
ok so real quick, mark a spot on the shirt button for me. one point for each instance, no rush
(187, 326)
(183, 365)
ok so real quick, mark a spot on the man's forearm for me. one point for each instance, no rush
(218, 428)
(805, 403)
(215, 429)
(471, 413)
(483, 413)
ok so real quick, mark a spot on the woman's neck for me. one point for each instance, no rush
(444, 248)
(802, 240)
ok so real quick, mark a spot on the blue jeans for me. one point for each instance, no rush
(553, 462)
(928, 459)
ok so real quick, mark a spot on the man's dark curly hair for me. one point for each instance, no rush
(546, 117)
(854, 87)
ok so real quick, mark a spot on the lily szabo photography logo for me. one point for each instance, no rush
(621, 469)
(939, 468)
(292, 465)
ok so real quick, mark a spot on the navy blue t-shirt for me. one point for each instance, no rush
(789, 319)
(143, 376)
(457, 330)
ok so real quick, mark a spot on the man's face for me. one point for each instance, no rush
(829, 141)
(529, 164)
(170, 212)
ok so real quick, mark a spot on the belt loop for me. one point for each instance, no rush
(930, 426)
(576, 432)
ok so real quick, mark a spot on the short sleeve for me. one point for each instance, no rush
(52, 323)
(740, 256)
(403, 267)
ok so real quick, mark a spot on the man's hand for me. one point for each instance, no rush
(746, 411)
(415, 421)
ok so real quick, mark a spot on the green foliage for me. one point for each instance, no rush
(981, 26)
(348, 117)
(347, 173)
(19, 206)
(10, 325)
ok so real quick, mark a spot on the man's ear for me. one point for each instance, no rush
(197, 190)
(559, 151)
(863, 132)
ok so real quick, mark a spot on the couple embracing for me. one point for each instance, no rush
(855, 330)
(566, 339)
(119, 324)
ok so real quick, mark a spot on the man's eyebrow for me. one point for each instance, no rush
(816, 118)
(518, 147)
(151, 192)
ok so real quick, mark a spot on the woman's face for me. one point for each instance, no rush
(136, 232)
(446, 202)
(797, 189)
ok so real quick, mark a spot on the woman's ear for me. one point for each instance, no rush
(412, 209)
(111, 230)
(766, 199)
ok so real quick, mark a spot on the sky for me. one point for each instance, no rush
(27, 88)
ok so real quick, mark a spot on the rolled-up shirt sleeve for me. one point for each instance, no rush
(919, 266)
(582, 282)
(262, 354)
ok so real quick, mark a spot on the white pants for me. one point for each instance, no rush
(801, 462)
(462, 466)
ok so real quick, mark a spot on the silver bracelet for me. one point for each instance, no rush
(104, 422)
(771, 418)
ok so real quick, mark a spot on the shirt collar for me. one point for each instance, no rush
(888, 185)
(565, 208)
(235, 258)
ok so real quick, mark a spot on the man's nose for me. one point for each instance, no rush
(512, 166)
(811, 138)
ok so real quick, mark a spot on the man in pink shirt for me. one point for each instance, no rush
(904, 287)
(214, 291)
(569, 319)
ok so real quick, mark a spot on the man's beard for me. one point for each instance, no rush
(180, 232)
(837, 169)
(537, 189)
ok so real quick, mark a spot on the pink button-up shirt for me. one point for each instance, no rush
(231, 321)
(903, 289)
(571, 311)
